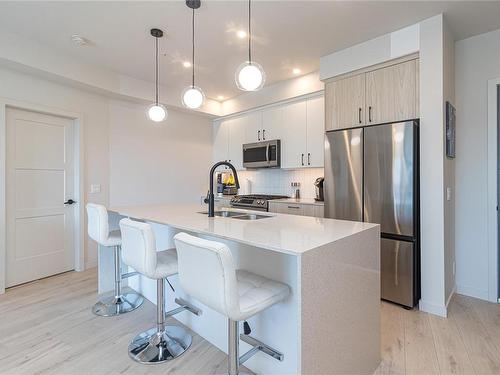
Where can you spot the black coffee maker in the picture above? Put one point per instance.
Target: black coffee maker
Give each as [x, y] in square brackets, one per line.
[319, 189]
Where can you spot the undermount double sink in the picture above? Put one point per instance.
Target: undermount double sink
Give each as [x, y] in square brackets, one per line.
[237, 215]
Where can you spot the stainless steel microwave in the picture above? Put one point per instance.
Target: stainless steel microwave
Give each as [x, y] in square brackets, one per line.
[265, 154]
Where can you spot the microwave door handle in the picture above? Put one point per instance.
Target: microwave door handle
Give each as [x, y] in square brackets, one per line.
[267, 153]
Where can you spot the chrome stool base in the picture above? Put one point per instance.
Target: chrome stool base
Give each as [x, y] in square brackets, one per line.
[113, 306]
[152, 347]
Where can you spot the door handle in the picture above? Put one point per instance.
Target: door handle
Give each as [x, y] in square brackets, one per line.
[264, 134]
[69, 201]
[308, 158]
[370, 114]
[258, 135]
[302, 158]
[359, 116]
[267, 153]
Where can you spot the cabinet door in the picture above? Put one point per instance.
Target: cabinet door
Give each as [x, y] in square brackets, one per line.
[286, 208]
[237, 132]
[313, 210]
[315, 132]
[220, 141]
[345, 103]
[293, 141]
[391, 93]
[272, 123]
[252, 122]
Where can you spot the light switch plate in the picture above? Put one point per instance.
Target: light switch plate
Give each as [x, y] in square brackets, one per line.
[95, 188]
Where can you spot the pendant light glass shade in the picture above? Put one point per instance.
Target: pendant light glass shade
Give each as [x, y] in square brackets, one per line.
[250, 76]
[193, 97]
[157, 112]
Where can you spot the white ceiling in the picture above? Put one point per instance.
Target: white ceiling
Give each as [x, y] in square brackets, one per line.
[287, 34]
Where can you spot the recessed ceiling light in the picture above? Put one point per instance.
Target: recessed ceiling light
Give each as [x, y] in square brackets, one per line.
[241, 34]
[220, 97]
[296, 71]
[186, 64]
[79, 40]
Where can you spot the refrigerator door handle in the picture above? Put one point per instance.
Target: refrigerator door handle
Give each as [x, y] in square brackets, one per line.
[396, 265]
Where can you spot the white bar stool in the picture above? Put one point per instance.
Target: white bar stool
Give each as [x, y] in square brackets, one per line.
[98, 230]
[163, 342]
[207, 273]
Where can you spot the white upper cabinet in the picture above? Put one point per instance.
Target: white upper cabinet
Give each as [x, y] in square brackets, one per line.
[299, 125]
[253, 126]
[236, 139]
[315, 137]
[272, 123]
[220, 141]
[293, 140]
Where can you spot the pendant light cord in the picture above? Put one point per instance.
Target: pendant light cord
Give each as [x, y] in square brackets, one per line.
[156, 68]
[193, 51]
[249, 32]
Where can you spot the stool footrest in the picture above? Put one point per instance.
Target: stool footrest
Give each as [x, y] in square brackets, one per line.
[183, 306]
[258, 346]
[129, 274]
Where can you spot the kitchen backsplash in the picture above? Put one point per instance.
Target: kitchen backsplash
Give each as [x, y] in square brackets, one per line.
[278, 181]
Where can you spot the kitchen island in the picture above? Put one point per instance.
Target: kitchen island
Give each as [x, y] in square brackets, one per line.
[330, 324]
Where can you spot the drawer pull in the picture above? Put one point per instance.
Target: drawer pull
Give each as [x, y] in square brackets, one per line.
[293, 207]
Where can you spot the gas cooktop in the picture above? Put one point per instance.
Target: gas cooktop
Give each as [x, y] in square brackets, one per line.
[254, 201]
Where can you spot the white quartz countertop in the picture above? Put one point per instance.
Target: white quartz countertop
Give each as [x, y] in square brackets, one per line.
[289, 234]
[299, 201]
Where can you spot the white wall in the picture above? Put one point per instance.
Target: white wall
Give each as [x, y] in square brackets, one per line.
[94, 108]
[150, 163]
[477, 61]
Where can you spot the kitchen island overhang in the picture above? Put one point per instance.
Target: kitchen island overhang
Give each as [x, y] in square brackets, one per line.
[330, 323]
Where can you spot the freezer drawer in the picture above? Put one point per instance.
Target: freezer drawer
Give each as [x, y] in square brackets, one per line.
[397, 279]
[343, 189]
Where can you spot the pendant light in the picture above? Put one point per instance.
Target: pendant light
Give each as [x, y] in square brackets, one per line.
[193, 96]
[250, 75]
[156, 111]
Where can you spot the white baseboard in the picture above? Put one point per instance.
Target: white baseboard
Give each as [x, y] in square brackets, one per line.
[473, 292]
[432, 308]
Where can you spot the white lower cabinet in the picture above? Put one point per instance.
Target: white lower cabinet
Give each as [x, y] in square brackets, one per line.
[302, 209]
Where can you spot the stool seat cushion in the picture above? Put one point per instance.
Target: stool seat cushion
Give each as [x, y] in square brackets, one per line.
[166, 264]
[257, 293]
[114, 239]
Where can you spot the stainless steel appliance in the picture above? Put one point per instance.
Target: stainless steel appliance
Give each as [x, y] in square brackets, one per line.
[371, 175]
[258, 202]
[265, 154]
[318, 186]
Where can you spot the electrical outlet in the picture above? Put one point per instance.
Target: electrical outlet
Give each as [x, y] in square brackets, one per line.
[95, 188]
[454, 268]
[448, 194]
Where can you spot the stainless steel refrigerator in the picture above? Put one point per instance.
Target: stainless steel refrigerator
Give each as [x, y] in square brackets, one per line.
[371, 175]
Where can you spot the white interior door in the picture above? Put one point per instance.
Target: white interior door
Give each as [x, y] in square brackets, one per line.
[40, 178]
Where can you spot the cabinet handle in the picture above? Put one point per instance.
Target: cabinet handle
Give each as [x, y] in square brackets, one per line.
[302, 159]
[264, 134]
[308, 158]
[258, 135]
[359, 116]
[297, 207]
[370, 114]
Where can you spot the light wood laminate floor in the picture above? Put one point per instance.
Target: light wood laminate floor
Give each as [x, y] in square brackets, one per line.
[46, 327]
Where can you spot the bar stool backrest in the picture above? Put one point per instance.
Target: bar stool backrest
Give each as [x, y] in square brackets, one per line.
[139, 246]
[207, 273]
[98, 226]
